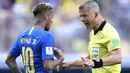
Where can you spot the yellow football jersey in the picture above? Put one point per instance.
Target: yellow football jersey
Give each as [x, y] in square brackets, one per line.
[102, 42]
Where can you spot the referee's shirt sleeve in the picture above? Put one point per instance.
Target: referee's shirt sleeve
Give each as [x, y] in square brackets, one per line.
[47, 47]
[15, 50]
[113, 42]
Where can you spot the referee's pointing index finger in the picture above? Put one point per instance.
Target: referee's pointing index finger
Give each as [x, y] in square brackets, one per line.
[84, 59]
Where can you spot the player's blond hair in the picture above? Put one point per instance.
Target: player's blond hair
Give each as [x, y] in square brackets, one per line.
[41, 7]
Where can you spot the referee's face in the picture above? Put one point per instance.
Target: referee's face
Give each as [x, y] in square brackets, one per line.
[87, 17]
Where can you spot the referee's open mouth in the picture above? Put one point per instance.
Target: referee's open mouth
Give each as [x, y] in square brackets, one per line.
[86, 24]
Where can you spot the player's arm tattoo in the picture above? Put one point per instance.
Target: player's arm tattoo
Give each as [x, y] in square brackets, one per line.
[11, 62]
[51, 64]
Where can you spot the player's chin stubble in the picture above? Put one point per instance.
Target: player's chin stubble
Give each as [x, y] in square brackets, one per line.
[47, 29]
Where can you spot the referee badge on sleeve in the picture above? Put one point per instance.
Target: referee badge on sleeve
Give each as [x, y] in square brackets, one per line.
[95, 51]
[49, 51]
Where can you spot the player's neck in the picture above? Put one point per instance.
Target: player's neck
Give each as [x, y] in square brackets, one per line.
[40, 25]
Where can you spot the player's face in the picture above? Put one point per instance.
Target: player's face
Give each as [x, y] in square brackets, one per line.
[87, 17]
[49, 20]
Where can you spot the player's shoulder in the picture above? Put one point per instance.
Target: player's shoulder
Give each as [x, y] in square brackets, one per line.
[25, 32]
[110, 31]
[47, 37]
[42, 34]
[36, 31]
[48, 34]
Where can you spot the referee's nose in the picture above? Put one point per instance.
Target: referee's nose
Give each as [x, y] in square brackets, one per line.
[82, 19]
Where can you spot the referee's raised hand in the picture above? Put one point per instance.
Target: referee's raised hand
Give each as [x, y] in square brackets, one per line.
[87, 62]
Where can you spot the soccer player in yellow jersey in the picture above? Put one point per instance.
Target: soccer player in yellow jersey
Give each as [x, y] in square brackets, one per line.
[104, 46]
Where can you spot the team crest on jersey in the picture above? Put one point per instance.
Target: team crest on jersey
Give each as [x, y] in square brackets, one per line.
[49, 51]
[95, 51]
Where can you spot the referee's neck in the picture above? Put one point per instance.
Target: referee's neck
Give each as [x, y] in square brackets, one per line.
[98, 23]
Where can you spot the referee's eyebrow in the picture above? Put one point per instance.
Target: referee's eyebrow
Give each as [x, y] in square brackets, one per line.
[82, 15]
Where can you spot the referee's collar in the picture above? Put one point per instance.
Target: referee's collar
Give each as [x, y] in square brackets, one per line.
[100, 27]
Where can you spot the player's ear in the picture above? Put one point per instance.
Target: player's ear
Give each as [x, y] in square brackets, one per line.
[46, 16]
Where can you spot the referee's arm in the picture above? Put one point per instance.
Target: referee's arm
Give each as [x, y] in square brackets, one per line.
[115, 57]
[76, 63]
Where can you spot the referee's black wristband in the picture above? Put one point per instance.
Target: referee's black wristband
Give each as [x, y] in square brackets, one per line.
[98, 64]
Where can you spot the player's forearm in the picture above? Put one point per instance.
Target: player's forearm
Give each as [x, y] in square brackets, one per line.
[51, 64]
[57, 62]
[77, 63]
[112, 60]
[13, 66]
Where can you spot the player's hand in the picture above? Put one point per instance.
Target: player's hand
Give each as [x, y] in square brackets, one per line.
[61, 66]
[58, 53]
[87, 62]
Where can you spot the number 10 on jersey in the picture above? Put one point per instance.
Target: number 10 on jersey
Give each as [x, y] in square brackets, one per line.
[27, 54]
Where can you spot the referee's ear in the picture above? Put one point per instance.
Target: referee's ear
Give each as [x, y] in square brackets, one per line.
[96, 14]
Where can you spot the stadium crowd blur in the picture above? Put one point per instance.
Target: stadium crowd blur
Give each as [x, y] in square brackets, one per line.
[69, 32]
